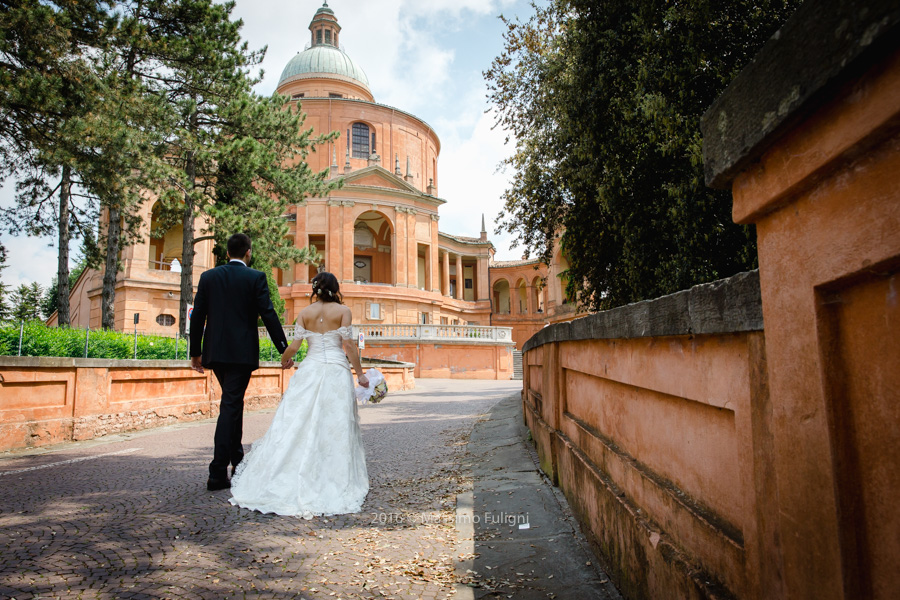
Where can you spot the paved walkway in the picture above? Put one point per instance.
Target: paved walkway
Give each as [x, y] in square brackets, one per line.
[128, 516]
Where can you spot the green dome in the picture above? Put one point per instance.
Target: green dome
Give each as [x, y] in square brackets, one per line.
[324, 59]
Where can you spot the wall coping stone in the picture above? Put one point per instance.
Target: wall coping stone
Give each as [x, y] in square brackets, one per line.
[731, 305]
[821, 47]
[63, 362]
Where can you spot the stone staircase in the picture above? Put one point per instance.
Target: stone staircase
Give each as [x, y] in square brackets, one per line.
[517, 365]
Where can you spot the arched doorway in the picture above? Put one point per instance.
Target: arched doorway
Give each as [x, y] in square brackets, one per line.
[522, 289]
[164, 247]
[501, 297]
[538, 294]
[372, 248]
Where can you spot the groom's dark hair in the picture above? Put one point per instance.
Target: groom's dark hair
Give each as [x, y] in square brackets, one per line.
[238, 244]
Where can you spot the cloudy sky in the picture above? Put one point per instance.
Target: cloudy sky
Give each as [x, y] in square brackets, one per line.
[425, 57]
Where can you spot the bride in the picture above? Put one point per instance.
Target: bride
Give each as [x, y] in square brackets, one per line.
[311, 460]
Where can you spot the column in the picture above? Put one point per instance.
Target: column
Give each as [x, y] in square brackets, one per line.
[529, 298]
[334, 238]
[301, 240]
[445, 283]
[398, 249]
[460, 277]
[412, 250]
[483, 284]
[347, 233]
[434, 284]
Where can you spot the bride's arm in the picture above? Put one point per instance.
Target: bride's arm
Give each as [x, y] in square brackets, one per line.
[291, 350]
[286, 361]
[352, 352]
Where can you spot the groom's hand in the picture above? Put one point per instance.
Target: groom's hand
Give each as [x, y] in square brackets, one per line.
[195, 364]
[286, 361]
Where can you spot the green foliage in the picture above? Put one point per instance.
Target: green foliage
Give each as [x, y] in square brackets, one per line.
[26, 302]
[604, 100]
[40, 340]
[51, 298]
[277, 301]
[5, 308]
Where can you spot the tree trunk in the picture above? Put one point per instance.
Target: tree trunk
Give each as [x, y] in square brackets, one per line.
[111, 270]
[187, 248]
[62, 269]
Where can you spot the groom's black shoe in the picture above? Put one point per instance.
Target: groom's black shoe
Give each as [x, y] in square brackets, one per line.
[217, 484]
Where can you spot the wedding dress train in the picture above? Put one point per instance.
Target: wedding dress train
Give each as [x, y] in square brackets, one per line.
[311, 460]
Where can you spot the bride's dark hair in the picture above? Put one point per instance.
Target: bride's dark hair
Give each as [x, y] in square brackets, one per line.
[325, 288]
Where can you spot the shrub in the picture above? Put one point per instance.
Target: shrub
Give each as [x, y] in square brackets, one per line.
[40, 340]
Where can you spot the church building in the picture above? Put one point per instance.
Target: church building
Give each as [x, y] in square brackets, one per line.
[379, 234]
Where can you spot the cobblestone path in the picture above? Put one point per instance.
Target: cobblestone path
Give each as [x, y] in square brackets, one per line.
[130, 517]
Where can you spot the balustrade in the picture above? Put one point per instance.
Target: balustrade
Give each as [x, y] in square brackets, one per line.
[425, 333]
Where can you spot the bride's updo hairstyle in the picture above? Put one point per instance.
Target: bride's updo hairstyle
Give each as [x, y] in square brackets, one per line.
[326, 289]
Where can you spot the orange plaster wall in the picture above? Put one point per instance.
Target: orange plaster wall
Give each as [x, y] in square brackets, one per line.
[826, 205]
[397, 135]
[666, 419]
[47, 401]
[452, 361]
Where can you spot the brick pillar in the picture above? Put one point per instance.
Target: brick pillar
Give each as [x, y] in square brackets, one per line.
[335, 221]
[434, 282]
[412, 251]
[483, 280]
[398, 249]
[301, 240]
[347, 231]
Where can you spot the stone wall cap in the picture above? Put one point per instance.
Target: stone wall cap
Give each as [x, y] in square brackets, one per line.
[731, 305]
[62, 362]
[101, 363]
[825, 44]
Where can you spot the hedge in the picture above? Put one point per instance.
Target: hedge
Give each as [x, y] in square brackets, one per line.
[40, 340]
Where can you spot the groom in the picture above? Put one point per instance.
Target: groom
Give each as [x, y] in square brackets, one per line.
[228, 300]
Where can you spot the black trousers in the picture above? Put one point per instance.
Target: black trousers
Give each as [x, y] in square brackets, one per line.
[233, 380]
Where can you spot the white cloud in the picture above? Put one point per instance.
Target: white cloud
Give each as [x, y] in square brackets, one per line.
[470, 182]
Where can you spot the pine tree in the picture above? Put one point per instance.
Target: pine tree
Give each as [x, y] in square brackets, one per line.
[5, 308]
[26, 301]
[49, 93]
[234, 155]
[51, 298]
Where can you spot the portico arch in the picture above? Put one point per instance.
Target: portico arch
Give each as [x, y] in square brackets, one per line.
[167, 246]
[562, 279]
[501, 297]
[538, 294]
[372, 248]
[522, 297]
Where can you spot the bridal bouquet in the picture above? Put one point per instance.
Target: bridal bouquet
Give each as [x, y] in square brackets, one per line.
[375, 391]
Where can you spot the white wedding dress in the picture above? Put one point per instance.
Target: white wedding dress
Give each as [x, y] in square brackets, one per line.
[311, 460]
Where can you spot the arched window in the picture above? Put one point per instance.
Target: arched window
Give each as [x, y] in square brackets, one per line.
[360, 140]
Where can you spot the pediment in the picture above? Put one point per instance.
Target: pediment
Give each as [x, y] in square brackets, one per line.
[376, 176]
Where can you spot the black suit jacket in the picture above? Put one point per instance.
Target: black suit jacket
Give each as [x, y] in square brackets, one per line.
[228, 300]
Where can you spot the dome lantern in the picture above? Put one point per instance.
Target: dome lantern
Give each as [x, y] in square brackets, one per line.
[324, 28]
[324, 60]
